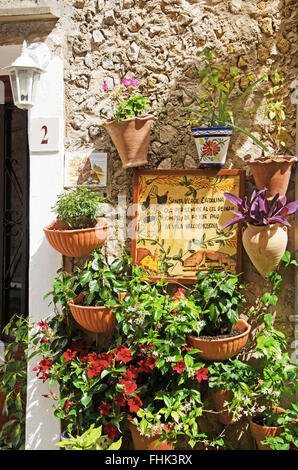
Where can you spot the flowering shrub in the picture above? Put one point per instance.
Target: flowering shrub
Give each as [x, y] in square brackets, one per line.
[128, 104]
[211, 307]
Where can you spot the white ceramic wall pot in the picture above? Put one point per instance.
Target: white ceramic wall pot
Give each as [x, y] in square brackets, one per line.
[212, 145]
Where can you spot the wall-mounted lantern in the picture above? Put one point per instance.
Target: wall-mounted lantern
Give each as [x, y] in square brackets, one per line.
[25, 73]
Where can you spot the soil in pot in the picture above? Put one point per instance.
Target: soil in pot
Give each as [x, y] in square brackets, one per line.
[220, 348]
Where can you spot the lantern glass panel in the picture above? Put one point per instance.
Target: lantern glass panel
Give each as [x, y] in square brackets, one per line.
[25, 82]
[14, 86]
[35, 80]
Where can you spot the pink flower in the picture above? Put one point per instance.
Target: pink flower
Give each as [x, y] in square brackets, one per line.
[129, 82]
[105, 87]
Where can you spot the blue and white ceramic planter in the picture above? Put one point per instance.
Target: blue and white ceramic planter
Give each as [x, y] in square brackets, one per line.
[212, 144]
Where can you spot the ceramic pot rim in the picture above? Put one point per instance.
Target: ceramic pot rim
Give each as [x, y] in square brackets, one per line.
[257, 415]
[283, 159]
[264, 228]
[143, 117]
[217, 339]
[50, 228]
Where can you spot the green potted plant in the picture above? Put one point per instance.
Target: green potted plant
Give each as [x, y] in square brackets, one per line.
[265, 236]
[278, 381]
[231, 386]
[93, 291]
[210, 313]
[79, 227]
[216, 113]
[288, 437]
[273, 170]
[130, 130]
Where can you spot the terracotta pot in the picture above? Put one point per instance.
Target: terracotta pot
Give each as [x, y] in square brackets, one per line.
[220, 349]
[261, 432]
[76, 243]
[131, 138]
[219, 398]
[96, 319]
[141, 442]
[122, 295]
[265, 246]
[273, 174]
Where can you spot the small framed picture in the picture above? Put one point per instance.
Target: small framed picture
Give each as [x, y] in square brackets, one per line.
[85, 169]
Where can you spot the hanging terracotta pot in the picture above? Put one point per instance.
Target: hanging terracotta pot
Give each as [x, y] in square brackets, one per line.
[260, 432]
[219, 398]
[265, 246]
[212, 144]
[273, 174]
[76, 243]
[131, 138]
[96, 319]
[141, 442]
[220, 349]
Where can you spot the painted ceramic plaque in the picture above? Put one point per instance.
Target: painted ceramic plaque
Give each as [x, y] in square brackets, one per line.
[87, 169]
[178, 219]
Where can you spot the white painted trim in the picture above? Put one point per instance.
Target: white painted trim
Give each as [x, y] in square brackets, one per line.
[46, 181]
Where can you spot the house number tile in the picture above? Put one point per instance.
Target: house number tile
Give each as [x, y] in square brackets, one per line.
[45, 134]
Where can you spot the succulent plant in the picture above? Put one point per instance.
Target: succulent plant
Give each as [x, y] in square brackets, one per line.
[260, 210]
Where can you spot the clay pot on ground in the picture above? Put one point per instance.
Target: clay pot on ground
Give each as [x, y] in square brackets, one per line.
[131, 138]
[260, 432]
[219, 397]
[141, 442]
[220, 349]
[76, 243]
[96, 319]
[265, 246]
[273, 174]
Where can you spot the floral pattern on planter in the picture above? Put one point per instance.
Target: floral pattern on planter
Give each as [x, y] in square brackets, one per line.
[212, 144]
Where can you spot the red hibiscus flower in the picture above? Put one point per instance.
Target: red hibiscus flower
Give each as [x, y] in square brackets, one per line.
[67, 404]
[69, 355]
[179, 366]
[99, 362]
[42, 368]
[131, 373]
[147, 364]
[202, 374]
[130, 387]
[44, 340]
[111, 430]
[120, 400]
[180, 295]
[123, 354]
[134, 404]
[43, 325]
[105, 408]
[211, 148]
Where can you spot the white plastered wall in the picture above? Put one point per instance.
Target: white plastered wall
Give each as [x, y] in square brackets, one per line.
[46, 181]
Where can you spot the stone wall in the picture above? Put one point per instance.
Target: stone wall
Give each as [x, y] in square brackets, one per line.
[158, 43]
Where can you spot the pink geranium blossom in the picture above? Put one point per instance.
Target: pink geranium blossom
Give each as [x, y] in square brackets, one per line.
[129, 82]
